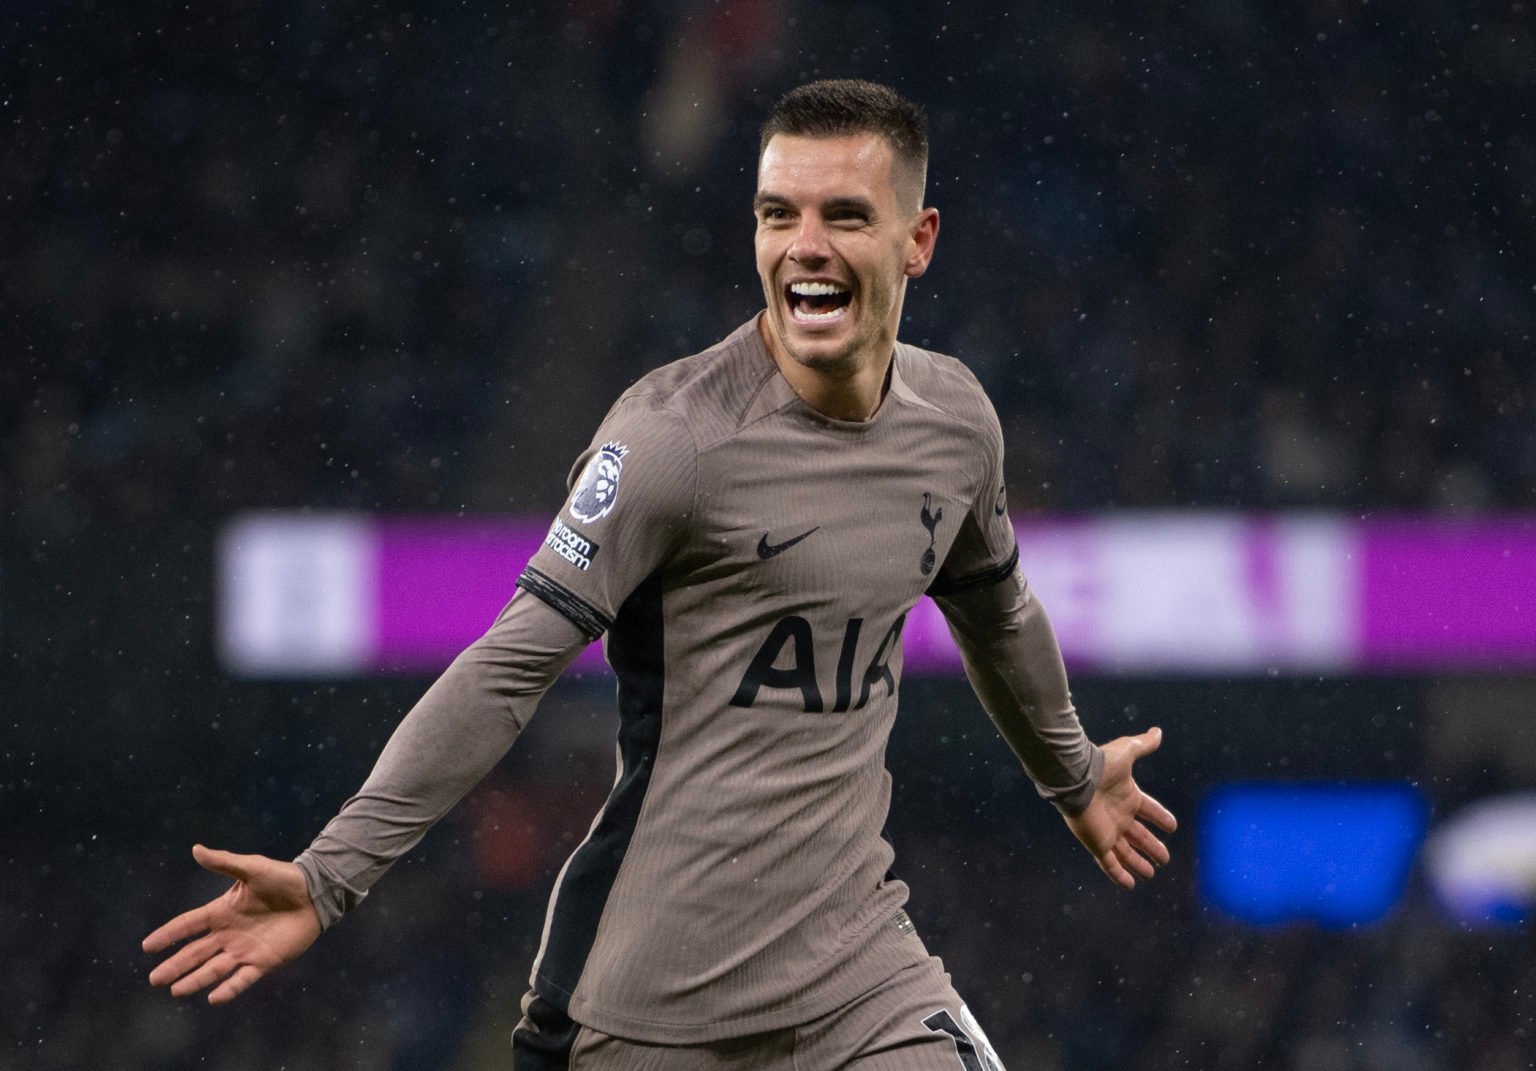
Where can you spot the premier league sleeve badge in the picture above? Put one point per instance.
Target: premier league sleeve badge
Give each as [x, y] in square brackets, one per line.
[599, 486]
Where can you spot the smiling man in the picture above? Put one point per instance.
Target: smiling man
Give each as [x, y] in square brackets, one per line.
[840, 230]
[748, 531]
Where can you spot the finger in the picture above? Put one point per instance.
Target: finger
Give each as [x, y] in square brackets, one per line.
[189, 958]
[1154, 812]
[1134, 861]
[213, 971]
[236, 984]
[1145, 842]
[1149, 741]
[1115, 871]
[179, 928]
[221, 862]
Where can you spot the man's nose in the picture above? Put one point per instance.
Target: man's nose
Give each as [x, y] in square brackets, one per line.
[810, 246]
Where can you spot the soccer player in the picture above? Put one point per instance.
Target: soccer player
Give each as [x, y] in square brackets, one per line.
[748, 529]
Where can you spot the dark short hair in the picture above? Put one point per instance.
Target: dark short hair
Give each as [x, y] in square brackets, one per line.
[838, 107]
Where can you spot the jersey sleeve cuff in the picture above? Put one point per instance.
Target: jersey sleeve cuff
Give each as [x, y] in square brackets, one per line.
[1074, 799]
[331, 899]
[588, 618]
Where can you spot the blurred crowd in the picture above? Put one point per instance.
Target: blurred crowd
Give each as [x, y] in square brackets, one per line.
[1065, 972]
[1211, 253]
[1201, 253]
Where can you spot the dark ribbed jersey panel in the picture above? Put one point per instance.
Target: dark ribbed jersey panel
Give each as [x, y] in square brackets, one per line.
[635, 650]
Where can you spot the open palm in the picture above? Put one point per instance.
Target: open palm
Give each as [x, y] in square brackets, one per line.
[261, 922]
[1113, 827]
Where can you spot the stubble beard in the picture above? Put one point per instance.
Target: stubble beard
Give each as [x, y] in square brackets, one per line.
[841, 363]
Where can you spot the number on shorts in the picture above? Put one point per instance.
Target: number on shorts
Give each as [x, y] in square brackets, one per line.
[972, 1056]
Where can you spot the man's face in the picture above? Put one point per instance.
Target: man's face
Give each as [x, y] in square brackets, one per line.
[836, 243]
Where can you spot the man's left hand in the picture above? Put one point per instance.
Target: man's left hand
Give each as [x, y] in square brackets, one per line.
[1114, 824]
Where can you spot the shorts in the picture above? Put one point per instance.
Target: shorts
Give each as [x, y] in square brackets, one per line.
[914, 1021]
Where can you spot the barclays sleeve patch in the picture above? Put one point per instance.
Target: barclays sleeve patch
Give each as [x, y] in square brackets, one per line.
[598, 488]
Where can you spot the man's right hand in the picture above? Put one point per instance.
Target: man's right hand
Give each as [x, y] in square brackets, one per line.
[264, 920]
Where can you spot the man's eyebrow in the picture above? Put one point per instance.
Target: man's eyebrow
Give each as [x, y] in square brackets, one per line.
[858, 204]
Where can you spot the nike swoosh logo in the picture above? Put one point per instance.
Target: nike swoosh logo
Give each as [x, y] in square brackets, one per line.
[766, 550]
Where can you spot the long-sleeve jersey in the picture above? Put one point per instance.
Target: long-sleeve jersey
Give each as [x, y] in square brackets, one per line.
[749, 563]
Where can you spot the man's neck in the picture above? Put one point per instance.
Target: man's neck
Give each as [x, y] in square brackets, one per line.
[855, 397]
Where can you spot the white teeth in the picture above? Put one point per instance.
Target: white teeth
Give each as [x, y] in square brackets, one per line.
[816, 289]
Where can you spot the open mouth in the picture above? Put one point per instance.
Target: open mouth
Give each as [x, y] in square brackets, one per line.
[817, 302]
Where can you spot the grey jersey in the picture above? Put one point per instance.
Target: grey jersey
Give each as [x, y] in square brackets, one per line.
[750, 563]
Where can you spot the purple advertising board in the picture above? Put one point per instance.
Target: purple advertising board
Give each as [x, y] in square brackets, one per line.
[1128, 593]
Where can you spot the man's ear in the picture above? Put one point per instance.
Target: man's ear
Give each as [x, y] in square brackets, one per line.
[925, 234]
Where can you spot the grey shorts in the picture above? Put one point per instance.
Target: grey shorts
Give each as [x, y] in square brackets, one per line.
[915, 1021]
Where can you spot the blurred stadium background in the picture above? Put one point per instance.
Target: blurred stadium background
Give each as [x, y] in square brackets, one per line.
[1227, 268]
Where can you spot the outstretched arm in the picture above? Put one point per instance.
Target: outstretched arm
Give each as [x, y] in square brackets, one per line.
[1014, 664]
[450, 739]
